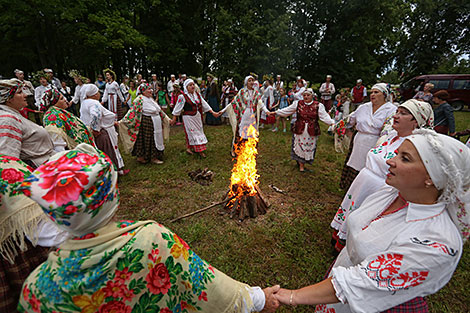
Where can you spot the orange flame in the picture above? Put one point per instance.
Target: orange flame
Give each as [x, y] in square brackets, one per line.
[244, 172]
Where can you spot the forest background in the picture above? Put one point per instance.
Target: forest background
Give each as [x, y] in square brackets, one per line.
[348, 39]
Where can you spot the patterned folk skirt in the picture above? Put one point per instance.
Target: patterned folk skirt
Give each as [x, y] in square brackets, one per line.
[12, 276]
[144, 146]
[296, 157]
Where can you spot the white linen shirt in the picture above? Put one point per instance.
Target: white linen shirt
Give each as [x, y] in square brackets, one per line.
[38, 93]
[93, 114]
[181, 101]
[368, 125]
[392, 259]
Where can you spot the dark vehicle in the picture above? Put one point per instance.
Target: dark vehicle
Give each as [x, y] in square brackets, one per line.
[457, 85]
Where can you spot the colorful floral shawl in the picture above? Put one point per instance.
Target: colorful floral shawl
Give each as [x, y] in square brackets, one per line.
[130, 267]
[129, 125]
[77, 189]
[238, 106]
[109, 267]
[19, 215]
[67, 126]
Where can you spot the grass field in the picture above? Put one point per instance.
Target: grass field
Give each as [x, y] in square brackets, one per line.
[290, 245]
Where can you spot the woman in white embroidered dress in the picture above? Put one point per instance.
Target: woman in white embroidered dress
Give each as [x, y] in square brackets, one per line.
[112, 93]
[192, 105]
[306, 129]
[102, 123]
[268, 100]
[368, 120]
[244, 111]
[405, 241]
[410, 115]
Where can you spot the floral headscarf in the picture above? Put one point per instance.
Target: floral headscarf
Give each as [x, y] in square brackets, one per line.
[68, 126]
[19, 215]
[8, 88]
[77, 189]
[142, 88]
[421, 111]
[50, 98]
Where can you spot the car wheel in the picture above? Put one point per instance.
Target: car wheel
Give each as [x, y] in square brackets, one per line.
[457, 105]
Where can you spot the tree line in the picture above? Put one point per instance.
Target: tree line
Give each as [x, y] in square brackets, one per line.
[348, 39]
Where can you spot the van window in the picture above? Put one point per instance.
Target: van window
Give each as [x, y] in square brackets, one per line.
[440, 83]
[461, 84]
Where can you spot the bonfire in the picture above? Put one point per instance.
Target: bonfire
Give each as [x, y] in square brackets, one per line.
[245, 196]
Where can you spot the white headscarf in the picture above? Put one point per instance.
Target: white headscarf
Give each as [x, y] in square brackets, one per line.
[90, 90]
[246, 80]
[309, 90]
[185, 85]
[421, 111]
[447, 163]
[383, 88]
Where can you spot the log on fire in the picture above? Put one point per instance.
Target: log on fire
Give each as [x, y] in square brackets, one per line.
[245, 204]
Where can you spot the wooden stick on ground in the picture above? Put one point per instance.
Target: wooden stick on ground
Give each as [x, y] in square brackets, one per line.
[201, 210]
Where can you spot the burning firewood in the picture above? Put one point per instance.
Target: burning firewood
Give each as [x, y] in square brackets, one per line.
[203, 177]
[247, 198]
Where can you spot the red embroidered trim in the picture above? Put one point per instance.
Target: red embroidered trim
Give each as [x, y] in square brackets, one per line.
[11, 116]
[323, 308]
[437, 245]
[11, 128]
[11, 136]
[385, 271]
[381, 215]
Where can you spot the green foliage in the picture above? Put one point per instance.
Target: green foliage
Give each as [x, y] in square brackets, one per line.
[347, 39]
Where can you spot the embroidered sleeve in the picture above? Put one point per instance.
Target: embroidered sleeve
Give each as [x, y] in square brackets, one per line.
[391, 278]
[179, 106]
[96, 114]
[288, 111]
[11, 134]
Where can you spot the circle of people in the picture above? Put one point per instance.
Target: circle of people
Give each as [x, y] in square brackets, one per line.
[398, 233]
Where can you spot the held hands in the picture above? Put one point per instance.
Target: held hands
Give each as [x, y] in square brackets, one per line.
[271, 302]
[285, 296]
[216, 114]
[173, 121]
[271, 113]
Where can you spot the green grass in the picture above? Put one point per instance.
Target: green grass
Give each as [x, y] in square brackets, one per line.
[287, 246]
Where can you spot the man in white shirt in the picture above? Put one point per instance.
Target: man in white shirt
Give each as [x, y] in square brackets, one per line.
[327, 90]
[171, 83]
[278, 84]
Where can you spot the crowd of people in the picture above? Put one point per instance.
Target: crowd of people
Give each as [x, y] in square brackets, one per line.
[398, 232]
